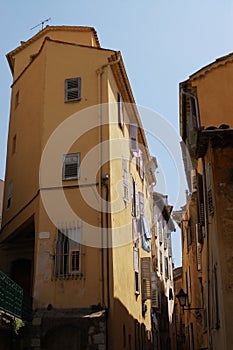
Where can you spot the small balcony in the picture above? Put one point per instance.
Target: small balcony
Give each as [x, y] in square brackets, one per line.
[14, 300]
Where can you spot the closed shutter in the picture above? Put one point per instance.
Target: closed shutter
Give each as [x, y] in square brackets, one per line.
[166, 267]
[198, 248]
[169, 244]
[72, 89]
[160, 229]
[133, 133]
[210, 202]
[137, 201]
[189, 285]
[165, 235]
[136, 270]
[135, 231]
[200, 196]
[125, 179]
[154, 290]
[141, 203]
[146, 277]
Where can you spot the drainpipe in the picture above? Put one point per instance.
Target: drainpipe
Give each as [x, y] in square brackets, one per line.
[103, 184]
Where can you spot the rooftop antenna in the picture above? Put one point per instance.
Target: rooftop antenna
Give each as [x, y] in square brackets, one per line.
[41, 23]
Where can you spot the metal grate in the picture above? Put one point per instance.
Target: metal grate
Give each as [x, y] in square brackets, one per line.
[14, 299]
[72, 89]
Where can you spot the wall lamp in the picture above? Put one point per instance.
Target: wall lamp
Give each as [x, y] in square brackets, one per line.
[182, 298]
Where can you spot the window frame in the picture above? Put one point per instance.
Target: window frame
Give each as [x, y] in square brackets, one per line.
[133, 134]
[71, 90]
[65, 162]
[64, 247]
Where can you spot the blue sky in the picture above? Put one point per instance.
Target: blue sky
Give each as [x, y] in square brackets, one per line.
[162, 43]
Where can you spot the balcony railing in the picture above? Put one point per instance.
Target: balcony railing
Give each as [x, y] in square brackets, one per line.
[14, 299]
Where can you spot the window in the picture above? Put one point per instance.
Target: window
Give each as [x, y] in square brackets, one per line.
[133, 133]
[139, 164]
[120, 110]
[166, 267]
[188, 285]
[125, 179]
[161, 261]
[169, 244]
[72, 89]
[141, 203]
[9, 195]
[67, 255]
[146, 278]
[135, 199]
[210, 202]
[154, 290]
[198, 247]
[71, 167]
[146, 235]
[136, 270]
[17, 99]
[14, 145]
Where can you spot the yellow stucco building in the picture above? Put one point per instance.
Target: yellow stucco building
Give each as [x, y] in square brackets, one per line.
[206, 121]
[77, 214]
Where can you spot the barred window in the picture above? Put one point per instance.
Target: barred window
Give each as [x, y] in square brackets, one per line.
[67, 255]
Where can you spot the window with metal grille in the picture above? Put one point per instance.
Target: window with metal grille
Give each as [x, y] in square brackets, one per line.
[71, 166]
[67, 255]
[72, 89]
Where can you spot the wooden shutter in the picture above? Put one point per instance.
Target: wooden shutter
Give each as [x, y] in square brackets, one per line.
[125, 179]
[137, 201]
[169, 244]
[166, 267]
[189, 290]
[200, 197]
[160, 229]
[141, 203]
[133, 133]
[210, 202]
[146, 277]
[72, 89]
[198, 247]
[135, 230]
[154, 290]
